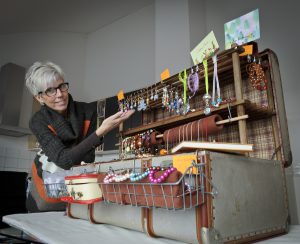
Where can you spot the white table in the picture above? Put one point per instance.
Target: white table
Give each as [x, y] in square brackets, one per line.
[55, 227]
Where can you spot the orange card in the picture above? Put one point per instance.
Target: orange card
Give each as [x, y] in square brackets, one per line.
[248, 50]
[182, 162]
[120, 95]
[165, 74]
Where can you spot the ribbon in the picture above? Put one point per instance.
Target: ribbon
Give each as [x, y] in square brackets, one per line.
[183, 80]
[206, 75]
[216, 84]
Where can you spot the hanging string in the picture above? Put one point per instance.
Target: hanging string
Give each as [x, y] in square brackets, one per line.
[216, 85]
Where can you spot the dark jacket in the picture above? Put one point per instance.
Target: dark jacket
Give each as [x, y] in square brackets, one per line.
[66, 141]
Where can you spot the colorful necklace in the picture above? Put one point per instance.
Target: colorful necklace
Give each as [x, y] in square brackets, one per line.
[138, 176]
[163, 177]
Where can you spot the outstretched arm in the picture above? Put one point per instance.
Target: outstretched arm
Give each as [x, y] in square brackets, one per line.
[113, 121]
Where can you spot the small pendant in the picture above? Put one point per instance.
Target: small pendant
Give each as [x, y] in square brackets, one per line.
[206, 99]
[207, 110]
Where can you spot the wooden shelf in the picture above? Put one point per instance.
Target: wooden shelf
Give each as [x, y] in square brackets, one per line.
[251, 109]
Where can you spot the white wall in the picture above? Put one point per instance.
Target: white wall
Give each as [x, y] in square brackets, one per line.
[65, 49]
[172, 40]
[120, 56]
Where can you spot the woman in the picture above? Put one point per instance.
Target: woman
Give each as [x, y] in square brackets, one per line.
[65, 129]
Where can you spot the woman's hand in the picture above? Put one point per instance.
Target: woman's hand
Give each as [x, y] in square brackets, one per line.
[113, 121]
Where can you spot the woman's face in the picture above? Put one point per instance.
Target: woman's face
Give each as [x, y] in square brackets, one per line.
[58, 101]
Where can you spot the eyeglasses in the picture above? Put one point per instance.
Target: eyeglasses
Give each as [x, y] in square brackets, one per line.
[51, 91]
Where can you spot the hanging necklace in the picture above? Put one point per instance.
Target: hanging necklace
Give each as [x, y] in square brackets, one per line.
[206, 96]
[216, 84]
[193, 81]
[162, 178]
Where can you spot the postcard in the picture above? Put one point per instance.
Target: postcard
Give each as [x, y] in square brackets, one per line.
[205, 49]
[242, 30]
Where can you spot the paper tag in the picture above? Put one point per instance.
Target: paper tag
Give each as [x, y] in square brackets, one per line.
[165, 74]
[120, 95]
[182, 162]
[248, 50]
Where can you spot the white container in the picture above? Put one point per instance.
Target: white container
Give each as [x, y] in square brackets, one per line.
[83, 189]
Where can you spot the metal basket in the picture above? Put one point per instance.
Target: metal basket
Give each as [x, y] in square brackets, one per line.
[56, 190]
[183, 194]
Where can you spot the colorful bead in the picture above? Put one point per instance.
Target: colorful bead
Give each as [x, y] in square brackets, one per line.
[109, 178]
[161, 178]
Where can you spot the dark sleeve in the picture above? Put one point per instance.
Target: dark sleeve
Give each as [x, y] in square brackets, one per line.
[56, 151]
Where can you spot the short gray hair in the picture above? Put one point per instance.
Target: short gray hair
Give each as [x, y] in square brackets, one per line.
[41, 75]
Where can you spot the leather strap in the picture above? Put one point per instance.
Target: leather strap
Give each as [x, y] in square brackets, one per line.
[91, 210]
[69, 211]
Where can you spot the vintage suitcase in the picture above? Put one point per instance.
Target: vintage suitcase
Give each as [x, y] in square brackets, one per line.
[240, 203]
[221, 197]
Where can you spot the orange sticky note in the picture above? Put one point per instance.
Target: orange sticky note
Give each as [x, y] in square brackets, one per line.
[165, 74]
[120, 95]
[182, 162]
[248, 50]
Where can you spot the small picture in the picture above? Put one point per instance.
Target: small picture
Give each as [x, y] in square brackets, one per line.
[242, 30]
[205, 49]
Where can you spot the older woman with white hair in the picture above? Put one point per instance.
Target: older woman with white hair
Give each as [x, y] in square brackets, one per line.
[65, 129]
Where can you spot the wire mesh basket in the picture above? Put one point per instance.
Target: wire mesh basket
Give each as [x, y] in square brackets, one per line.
[179, 192]
[56, 190]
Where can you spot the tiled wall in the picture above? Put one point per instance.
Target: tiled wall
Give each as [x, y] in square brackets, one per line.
[14, 155]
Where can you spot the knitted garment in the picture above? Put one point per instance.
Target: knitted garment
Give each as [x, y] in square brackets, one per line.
[65, 142]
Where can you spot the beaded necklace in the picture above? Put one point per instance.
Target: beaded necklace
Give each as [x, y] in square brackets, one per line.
[161, 178]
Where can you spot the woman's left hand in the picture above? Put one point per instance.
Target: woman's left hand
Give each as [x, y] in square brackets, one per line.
[113, 121]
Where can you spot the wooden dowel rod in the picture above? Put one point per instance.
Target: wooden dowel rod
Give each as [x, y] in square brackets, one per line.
[225, 121]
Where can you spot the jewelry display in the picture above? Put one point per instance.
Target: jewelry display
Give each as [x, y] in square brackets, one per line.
[171, 101]
[131, 102]
[110, 177]
[206, 97]
[141, 145]
[216, 85]
[121, 177]
[155, 97]
[151, 95]
[257, 75]
[138, 176]
[165, 97]
[193, 81]
[141, 103]
[161, 178]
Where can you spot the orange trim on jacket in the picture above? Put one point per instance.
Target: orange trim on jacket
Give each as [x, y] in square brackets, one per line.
[86, 126]
[40, 186]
